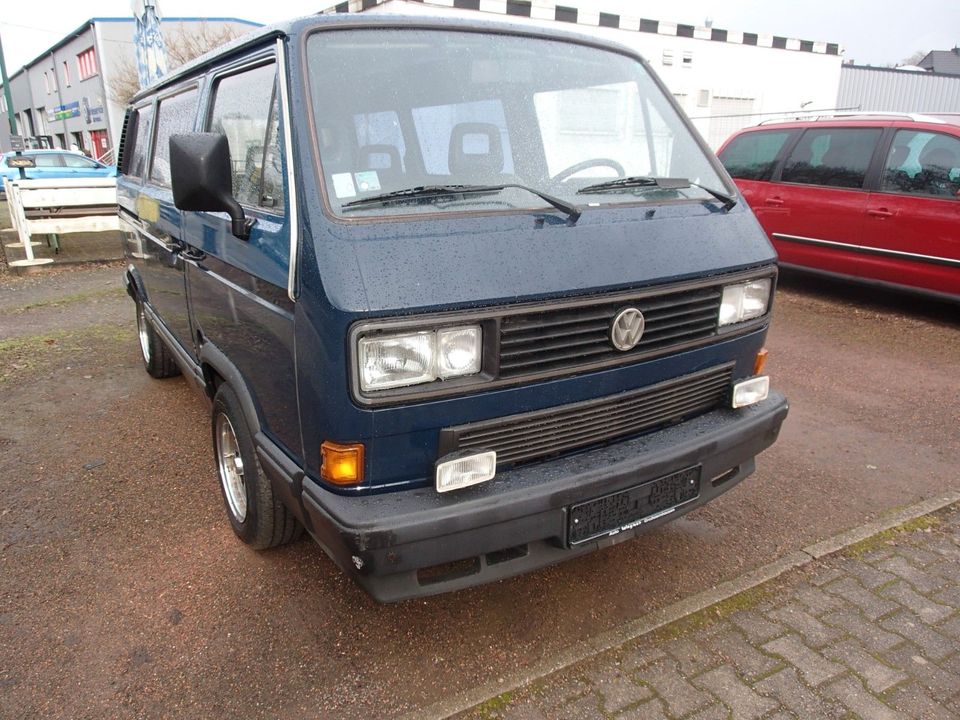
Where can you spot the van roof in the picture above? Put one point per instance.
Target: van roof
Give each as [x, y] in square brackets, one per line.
[296, 26]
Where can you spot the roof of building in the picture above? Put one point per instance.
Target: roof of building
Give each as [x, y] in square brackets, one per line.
[901, 70]
[942, 61]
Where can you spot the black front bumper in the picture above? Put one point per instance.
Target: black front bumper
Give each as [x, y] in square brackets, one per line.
[518, 521]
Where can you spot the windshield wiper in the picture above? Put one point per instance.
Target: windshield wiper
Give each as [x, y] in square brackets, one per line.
[428, 191]
[643, 181]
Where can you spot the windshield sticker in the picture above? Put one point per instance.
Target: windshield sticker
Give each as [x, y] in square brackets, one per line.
[343, 185]
[367, 180]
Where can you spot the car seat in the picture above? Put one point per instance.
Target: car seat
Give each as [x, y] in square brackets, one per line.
[476, 153]
[936, 166]
[385, 160]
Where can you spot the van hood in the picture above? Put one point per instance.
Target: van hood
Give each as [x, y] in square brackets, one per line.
[376, 267]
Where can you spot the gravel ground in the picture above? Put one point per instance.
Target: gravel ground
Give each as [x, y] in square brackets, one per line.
[123, 592]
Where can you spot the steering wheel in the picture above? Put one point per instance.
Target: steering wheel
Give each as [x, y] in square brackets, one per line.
[589, 163]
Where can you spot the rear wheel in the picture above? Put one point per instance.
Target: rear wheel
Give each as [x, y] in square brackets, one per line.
[257, 516]
[157, 358]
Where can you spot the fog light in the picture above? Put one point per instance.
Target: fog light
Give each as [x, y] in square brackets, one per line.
[465, 471]
[750, 392]
[341, 464]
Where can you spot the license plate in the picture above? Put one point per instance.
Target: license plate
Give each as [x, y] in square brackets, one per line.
[624, 510]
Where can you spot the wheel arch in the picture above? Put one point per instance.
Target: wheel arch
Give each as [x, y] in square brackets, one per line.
[217, 368]
[284, 473]
[134, 285]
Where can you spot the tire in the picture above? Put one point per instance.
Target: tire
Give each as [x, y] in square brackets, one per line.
[257, 516]
[157, 358]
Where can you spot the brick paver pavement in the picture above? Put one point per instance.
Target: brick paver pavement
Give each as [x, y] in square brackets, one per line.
[873, 632]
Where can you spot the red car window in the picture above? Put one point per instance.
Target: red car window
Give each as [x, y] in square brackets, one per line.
[836, 157]
[752, 156]
[922, 163]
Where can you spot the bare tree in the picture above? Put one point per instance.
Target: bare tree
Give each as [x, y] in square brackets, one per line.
[183, 45]
[186, 45]
[914, 58]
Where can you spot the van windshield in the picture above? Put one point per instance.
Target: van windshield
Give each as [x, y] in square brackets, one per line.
[420, 111]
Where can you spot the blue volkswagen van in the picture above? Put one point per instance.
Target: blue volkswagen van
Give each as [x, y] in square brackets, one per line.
[466, 299]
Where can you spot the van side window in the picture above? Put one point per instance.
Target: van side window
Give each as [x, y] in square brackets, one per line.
[753, 155]
[271, 190]
[922, 163]
[836, 157]
[141, 141]
[175, 115]
[244, 109]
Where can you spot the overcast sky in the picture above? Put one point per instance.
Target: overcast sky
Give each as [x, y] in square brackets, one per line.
[876, 32]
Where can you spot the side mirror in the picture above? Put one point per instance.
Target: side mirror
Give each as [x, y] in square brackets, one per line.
[202, 179]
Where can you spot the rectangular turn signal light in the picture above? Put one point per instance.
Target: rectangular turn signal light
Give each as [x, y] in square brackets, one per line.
[341, 464]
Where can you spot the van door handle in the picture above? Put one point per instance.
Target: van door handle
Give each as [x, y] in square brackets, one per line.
[189, 252]
[879, 213]
[774, 201]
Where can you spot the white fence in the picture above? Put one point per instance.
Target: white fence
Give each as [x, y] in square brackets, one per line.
[58, 207]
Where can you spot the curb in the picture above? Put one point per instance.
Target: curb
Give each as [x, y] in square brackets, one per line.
[676, 611]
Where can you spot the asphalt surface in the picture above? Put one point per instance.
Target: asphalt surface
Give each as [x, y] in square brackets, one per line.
[123, 592]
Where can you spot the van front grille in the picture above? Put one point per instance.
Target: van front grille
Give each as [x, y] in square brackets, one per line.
[550, 340]
[555, 431]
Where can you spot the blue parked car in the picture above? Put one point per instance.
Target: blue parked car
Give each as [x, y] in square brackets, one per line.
[465, 298]
[57, 164]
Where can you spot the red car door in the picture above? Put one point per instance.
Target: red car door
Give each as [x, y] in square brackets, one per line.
[912, 224]
[815, 213]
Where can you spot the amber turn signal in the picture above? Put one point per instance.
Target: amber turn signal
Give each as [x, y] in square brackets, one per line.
[760, 362]
[341, 464]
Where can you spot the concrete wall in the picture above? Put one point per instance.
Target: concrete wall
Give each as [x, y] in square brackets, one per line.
[722, 84]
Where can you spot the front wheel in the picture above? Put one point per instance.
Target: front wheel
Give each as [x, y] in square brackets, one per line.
[257, 516]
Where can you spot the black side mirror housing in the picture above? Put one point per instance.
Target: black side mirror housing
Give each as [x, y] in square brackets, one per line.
[201, 178]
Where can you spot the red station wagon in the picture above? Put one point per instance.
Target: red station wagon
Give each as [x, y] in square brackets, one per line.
[873, 197]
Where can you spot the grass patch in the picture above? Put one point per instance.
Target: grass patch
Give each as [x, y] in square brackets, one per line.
[67, 300]
[22, 357]
[491, 708]
[709, 615]
[924, 522]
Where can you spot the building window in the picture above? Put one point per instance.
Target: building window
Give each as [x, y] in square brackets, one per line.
[46, 83]
[87, 64]
[66, 74]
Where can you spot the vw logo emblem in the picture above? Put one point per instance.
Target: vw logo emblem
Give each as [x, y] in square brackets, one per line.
[627, 329]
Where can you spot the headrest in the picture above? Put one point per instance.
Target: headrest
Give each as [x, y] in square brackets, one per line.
[476, 149]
